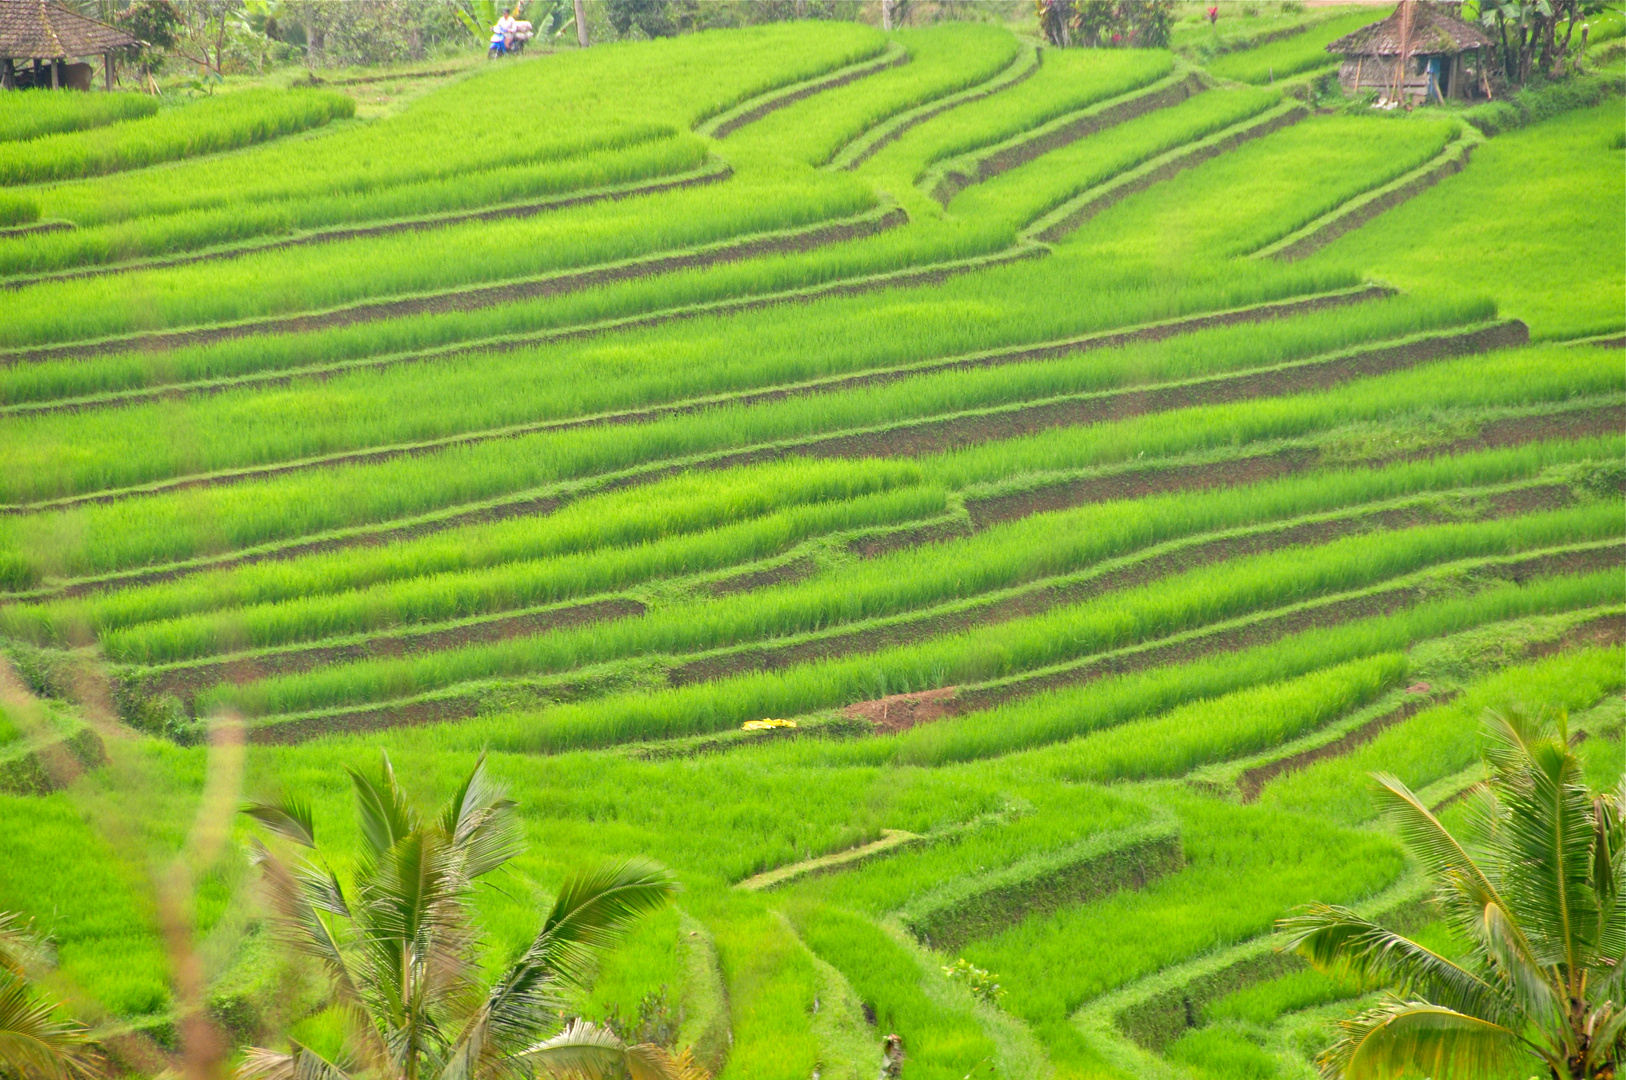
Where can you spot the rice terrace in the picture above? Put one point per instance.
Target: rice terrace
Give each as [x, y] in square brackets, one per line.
[934, 540]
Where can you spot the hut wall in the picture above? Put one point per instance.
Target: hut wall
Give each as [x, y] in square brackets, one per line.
[1374, 73]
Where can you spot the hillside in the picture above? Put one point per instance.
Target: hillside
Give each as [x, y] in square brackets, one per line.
[1106, 458]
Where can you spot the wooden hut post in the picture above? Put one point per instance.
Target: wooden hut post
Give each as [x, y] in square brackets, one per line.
[56, 74]
[8, 75]
[107, 70]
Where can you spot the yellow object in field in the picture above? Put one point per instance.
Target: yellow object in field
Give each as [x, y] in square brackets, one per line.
[765, 725]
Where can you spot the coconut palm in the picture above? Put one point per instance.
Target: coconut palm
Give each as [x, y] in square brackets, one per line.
[34, 1043]
[1536, 902]
[400, 949]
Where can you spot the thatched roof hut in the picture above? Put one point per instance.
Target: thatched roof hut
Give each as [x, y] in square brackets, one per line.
[1435, 58]
[45, 33]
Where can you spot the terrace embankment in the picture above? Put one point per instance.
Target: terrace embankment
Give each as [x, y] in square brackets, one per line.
[711, 174]
[1093, 202]
[1271, 628]
[1059, 133]
[1044, 597]
[1136, 483]
[184, 681]
[484, 296]
[1252, 781]
[751, 111]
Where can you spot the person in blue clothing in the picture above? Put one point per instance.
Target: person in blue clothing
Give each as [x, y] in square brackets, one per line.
[502, 35]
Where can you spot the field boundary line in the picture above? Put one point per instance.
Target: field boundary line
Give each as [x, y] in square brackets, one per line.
[1387, 514]
[713, 171]
[1293, 304]
[1018, 354]
[725, 123]
[1364, 207]
[1131, 1024]
[875, 220]
[948, 178]
[1300, 455]
[891, 840]
[454, 702]
[1134, 568]
[978, 905]
[866, 144]
[1057, 223]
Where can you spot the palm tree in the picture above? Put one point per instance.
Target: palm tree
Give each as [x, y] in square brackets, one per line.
[34, 1044]
[400, 950]
[1536, 902]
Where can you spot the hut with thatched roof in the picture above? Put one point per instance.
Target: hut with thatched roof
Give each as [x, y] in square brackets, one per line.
[53, 38]
[1444, 56]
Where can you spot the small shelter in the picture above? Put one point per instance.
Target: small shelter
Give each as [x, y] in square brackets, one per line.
[52, 37]
[1437, 52]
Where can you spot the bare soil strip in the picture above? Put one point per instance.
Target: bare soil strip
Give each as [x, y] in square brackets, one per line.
[483, 296]
[185, 681]
[1001, 80]
[710, 174]
[1230, 639]
[1253, 780]
[1097, 200]
[783, 574]
[35, 230]
[1157, 480]
[774, 100]
[1603, 631]
[1274, 628]
[1056, 134]
[932, 532]
[1045, 597]
[900, 712]
[1355, 213]
[834, 384]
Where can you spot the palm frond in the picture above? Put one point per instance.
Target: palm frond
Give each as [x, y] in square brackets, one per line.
[385, 816]
[584, 1051]
[480, 821]
[1547, 832]
[302, 1063]
[289, 816]
[1468, 889]
[592, 911]
[1417, 1037]
[21, 949]
[1336, 939]
[1519, 973]
[34, 1043]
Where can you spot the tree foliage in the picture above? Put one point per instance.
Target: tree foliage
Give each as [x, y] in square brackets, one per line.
[1534, 895]
[1094, 24]
[396, 940]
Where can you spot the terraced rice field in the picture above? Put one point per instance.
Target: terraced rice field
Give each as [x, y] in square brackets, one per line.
[1104, 459]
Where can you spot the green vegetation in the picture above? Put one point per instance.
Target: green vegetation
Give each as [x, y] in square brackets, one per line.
[952, 543]
[206, 126]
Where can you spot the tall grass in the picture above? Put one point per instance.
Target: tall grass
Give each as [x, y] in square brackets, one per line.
[1067, 80]
[942, 59]
[1560, 278]
[201, 127]
[808, 687]
[679, 506]
[344, 271]
[609, 98]
[1023, 194]
[129, 239]
[1444, 740]
[1262, 191]
[197, 521]
[28, 116]
[1306, 51]
[1245, 866]
[1169, 606]
[421, 401]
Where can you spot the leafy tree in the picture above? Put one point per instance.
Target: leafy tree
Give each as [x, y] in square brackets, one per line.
[34, 1044]
[1140, 24]
[1536, 898]
[400, 949]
